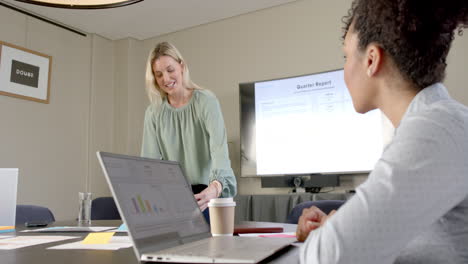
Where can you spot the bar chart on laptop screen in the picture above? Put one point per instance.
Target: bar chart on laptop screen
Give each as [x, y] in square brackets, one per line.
[141, 205]
[147, 201]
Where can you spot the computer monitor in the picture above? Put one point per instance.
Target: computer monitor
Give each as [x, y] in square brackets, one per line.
[306, 125]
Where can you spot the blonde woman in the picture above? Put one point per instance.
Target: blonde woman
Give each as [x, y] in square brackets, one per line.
[184, 123]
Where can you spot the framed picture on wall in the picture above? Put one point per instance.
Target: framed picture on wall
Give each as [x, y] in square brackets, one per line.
[24, 73]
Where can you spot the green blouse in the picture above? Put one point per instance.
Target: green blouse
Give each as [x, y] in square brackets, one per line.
[195, 136]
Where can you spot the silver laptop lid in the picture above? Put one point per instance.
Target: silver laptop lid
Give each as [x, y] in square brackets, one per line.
[155, 201]
[8, 190]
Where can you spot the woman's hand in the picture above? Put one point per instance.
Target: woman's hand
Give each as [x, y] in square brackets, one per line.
[311, 219]
[212, 191]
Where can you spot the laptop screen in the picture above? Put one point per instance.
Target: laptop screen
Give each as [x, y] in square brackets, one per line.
[8, 189]
[155, 200]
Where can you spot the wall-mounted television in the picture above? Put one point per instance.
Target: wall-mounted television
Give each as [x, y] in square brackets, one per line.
[306, 125]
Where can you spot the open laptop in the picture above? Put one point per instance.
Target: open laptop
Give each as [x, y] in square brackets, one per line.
[8, 189]
[164, 222]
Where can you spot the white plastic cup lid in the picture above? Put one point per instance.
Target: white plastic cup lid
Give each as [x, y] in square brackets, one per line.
[221, 202]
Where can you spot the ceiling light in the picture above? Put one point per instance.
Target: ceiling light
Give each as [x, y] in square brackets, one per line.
[81, 4]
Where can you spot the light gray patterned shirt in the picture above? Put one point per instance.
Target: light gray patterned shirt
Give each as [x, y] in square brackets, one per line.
[413, 208]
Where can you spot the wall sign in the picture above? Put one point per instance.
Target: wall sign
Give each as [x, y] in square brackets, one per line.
[24, 73]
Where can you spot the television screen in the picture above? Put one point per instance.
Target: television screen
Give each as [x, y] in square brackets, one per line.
[306, 125]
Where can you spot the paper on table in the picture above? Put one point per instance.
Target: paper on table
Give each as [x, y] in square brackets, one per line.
[72, 229]
[26, 241]
[2, 237]
[122, 228]
[285, 234]
[98, 238]
[116, 242]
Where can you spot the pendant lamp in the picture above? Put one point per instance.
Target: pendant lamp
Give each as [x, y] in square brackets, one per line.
[81, 4]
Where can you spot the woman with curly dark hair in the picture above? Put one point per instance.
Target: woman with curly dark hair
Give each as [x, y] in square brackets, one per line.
[413, 208]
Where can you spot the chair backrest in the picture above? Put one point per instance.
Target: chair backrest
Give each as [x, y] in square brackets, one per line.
[104, 208]
[325, 205]
[33, 213]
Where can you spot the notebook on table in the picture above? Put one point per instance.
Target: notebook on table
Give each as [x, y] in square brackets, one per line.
[8, 189]
[164, 222]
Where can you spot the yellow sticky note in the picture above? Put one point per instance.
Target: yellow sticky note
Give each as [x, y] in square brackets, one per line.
[98, 238]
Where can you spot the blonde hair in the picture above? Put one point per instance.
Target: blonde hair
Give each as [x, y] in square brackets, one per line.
[155, 94]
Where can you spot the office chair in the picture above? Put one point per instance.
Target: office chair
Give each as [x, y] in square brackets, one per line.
[104, 208]
[33, 213]
[325, 205]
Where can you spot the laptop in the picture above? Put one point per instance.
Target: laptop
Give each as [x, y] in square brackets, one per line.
[164, 222]
[8, 189]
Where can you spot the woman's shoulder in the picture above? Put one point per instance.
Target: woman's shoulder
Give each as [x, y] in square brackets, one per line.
[444, 121]
[152, 110]
[205, 95]
[206, 98]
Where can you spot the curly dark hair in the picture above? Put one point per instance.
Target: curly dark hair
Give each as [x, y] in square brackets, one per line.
[416, 34]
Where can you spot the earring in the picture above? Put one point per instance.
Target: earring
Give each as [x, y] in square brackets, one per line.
[369, 72]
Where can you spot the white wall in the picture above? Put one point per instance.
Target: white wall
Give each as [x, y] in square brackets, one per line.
[101, 118]
[130, 95]
[457, 69]
[97, 98]
[54, 144]
[48, 142]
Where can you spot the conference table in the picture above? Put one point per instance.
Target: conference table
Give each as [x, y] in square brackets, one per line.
[40, 253]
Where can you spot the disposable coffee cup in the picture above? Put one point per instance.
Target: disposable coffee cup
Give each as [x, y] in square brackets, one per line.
[222, 216]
